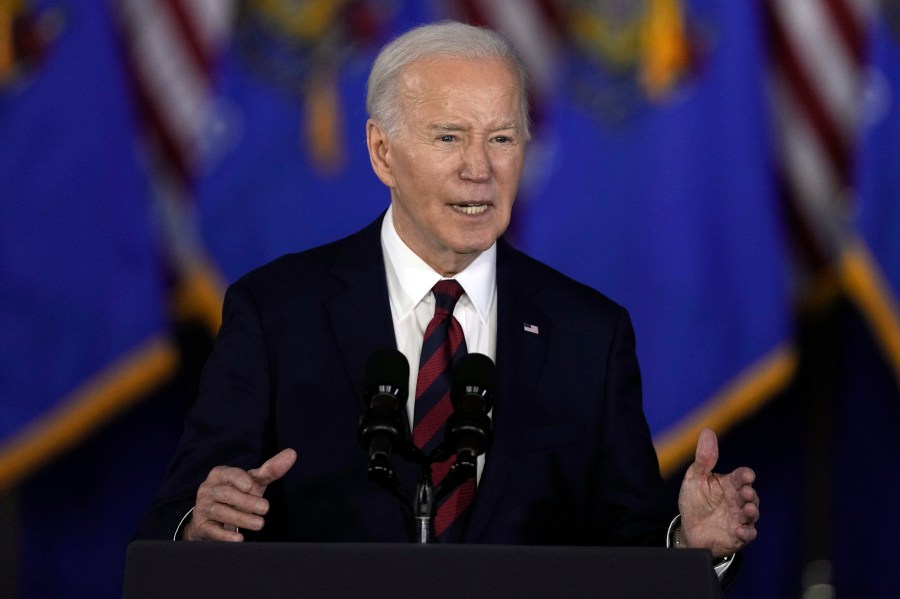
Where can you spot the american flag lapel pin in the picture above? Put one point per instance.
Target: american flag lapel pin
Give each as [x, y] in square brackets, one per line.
[530, 328]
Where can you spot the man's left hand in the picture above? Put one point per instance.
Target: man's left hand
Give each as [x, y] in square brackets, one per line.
[718, 511]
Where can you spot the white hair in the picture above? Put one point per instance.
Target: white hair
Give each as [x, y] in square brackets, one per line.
[446, 39]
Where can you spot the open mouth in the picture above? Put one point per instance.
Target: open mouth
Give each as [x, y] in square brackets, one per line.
[471, 209]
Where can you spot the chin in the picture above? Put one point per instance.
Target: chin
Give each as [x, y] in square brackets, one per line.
[474, 244]
[480, 239]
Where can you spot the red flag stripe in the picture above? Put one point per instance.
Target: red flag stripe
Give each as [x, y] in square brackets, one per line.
[533, 26]
[831, 69]
[171, 46]
[815, 75]
[171, 43]
[808, 170]
[799, 85]
[188, 28]
[851, 26]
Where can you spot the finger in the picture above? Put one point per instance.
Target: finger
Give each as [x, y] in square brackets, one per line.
[231, 497]
[225, 506]
[213, 531]
[230, 518]
[707, 453]
[746, 534]
[222, 490]
[743, 476]
[231, 476]
[749, 514]
[206, 530]
[274, 468]
[748, 495]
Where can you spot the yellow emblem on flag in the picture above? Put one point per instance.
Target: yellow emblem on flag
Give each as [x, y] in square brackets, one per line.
[309, 27]
[644, 37]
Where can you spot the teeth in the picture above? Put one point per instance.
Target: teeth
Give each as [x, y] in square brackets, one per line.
[471, 210]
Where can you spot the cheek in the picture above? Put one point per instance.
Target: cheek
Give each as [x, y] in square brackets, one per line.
[424, 170]
[509, 167]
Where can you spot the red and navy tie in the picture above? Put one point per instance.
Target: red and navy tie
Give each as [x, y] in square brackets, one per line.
[442, 346]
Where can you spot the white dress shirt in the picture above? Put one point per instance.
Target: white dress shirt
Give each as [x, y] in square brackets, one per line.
[410, 280]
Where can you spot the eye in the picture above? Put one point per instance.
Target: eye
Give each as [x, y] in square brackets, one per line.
[503, 139]
[447, 138]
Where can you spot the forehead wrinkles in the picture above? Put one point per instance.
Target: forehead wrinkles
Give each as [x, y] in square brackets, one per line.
[413, 90]
[450, 94]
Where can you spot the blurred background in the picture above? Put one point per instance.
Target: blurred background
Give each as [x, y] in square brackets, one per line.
[728, 171]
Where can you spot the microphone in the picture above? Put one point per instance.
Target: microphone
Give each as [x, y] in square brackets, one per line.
[472, 395]
[386, 386]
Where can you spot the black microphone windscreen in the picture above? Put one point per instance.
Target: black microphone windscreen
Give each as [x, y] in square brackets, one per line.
[473, 370]
[387, 367]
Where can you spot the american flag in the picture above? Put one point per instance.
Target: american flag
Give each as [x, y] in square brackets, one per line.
[533, 26]
[818, 79]
[171, 50]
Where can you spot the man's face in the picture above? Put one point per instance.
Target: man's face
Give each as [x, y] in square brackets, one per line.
[454, 167]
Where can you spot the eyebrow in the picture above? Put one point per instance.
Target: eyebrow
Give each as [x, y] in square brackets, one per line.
[451, 127]
[505, 126]
[443, 127]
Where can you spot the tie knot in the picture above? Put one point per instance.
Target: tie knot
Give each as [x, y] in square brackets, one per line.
[446, 293]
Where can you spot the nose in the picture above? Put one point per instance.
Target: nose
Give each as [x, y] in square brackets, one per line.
[476, 162]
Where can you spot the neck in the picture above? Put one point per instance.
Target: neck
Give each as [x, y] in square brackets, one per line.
[451, 267]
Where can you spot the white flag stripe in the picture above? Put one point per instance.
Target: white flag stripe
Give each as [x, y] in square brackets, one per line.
[814, 168]
[172, 44]
[171, 77]
[529, 32]
[177, 216]
[809, 171]
[211, 19]
[824, 59]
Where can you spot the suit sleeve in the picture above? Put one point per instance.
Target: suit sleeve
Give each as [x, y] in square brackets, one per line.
[230, 422]
[631, 508]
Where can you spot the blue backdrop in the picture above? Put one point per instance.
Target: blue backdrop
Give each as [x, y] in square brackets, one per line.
[662, 196]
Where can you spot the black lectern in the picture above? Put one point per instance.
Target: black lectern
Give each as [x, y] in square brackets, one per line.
[343, 570]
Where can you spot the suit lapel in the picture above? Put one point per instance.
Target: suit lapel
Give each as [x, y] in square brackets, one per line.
[523, 332]
[361, 319]
[361, 313]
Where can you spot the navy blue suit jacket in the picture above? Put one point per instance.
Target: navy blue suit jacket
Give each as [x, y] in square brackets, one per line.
[572, 460]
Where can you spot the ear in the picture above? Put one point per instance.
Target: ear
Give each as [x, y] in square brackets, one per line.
[379, 152]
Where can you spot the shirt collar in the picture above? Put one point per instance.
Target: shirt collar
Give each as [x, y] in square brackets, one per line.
[410, 279]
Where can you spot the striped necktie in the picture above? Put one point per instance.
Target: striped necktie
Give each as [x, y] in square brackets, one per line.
[442, 346]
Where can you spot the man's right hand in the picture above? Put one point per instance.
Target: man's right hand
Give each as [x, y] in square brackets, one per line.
[231, 498]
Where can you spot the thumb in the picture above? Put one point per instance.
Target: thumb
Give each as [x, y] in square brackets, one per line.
[707, 453]
[274, 468]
